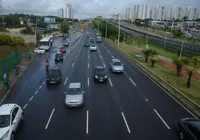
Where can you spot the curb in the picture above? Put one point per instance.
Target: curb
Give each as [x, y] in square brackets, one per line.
[14, 83]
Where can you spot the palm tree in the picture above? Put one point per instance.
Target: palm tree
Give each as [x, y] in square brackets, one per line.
[195, 59]
[154, 57]
[190, 72]
[179, 65]
[147, 53]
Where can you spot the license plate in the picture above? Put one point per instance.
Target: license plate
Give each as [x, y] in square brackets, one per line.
[52, 82]
[101, 80]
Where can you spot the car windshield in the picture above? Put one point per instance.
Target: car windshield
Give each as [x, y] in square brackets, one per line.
[53, 72]
[100, 71]
[40, 49]
[43, 43]
[58, 55]
[92, 45]
[66, 41]
[4, 121]
[117, 64]
[74, 91]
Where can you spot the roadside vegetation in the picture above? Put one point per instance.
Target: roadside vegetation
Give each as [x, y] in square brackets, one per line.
[180, 72]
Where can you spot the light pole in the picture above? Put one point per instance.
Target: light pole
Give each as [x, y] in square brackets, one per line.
[2, 13]
[118, 29]
[106, 29]
[165, 37]
[181, 50]
[36, 30]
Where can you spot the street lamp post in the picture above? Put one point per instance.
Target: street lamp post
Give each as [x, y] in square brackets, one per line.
[165, 37]
[181, 50]
[36, 29]
[118, 29]
[106, 29]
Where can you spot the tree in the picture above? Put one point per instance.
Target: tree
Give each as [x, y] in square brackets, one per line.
[179, 65]
[177, 33]
[76, 20]
[147, 53]
[185, 18]
[190, 72]
[154, 57]
[195, 59]
[64, 27]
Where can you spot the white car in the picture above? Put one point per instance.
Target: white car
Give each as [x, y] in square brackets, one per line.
[93, 47]
[39, 50]
[10, 117]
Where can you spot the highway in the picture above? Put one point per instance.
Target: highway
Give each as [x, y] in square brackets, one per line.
[129, 106]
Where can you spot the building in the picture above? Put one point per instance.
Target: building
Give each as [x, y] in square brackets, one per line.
[68, 11]
[60, 13]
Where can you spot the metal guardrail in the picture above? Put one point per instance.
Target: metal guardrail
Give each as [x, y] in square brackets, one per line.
[188, 49]
[187, 102]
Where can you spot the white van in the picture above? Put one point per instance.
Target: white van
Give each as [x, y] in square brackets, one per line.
[46, 43]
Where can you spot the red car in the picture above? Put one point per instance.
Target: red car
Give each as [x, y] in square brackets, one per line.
[63, 49]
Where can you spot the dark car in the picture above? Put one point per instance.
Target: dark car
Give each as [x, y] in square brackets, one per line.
[54, 76]
[100, 74]
[87, 44]
[59, 57]
[92, 40]
[87, 36]
[189, 129]
[66, 43]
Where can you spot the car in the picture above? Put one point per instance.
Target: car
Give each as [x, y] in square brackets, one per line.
[54, 76]
[11, 115]
[93, 47]
[99, 40]
[63, 49]
[39, 51]
[87, 44]
[60, 35]
[116, 66]
[66, 43]
[189, 129]
[87, 36]
[74, 95]
[100, 74]
[92, 40]
[58, 57]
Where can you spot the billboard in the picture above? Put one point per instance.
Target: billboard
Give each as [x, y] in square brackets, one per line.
[49, 20]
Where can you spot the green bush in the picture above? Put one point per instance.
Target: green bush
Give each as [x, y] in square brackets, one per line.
[28, 30]
[11, 40]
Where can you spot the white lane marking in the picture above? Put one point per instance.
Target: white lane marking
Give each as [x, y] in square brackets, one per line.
[104, 65]
[110, 82]
[66, 80]
[25, 106]
[88, 65]
[40, 87]
[43, 83]
[161, 119]
[31, 98]
[88, 81]
[65, 92]
[5, 96]
[88, 56]
[113, 57]
[132, 81]
[126, 123]
[50, 118]
[101, 56]
[72, 64]
[76, 56]
[147, 100]
[87, 122]
[36, 92]
[108, 51]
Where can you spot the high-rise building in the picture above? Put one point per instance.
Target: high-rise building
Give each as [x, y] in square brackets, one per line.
[60, 13]
[68, 11]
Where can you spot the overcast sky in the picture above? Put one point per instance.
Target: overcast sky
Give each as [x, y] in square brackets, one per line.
[84, 8]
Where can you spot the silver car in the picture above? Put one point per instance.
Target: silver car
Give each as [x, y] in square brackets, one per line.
[116, 66]
[74, 95]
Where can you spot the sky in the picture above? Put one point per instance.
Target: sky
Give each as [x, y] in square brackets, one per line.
[83, 8]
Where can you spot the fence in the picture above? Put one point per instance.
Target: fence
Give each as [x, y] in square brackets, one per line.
[188, 49]
[9, 62]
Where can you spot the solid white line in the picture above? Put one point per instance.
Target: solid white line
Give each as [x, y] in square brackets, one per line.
[104, 65]
[126, 123]
[87, 121]
[88, 65]
[66, 80]
[108, 51]
[40, 87]
[101, 56]
[132, 81]
[25, 106]
[162, 119]
[88, 81]
[50, 118]
[72, 64]
[113, 57]
[43, 83]
[147, 100]
[110, 82]
[5, 96]
[36, 92]
[31, 98]
[88, 56]
[76, 56]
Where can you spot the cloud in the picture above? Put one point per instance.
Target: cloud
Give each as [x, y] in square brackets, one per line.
[83, 8]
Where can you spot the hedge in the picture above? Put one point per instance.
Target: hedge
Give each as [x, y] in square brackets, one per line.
[6, 39]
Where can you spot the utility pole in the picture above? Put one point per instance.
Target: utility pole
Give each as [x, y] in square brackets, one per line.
[1, 6]
[181, 50]
[36, 30]
[119, 29]
[106, 29]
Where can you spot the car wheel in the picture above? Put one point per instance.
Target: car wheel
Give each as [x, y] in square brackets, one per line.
[181, 135]
[12, 136]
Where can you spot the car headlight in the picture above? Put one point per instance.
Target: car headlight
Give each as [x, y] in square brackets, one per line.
[106, 76]
[5, 135]
[47, 79]
[58, 78]
[96, 76]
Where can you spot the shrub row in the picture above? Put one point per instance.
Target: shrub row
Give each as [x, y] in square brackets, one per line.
[6, 39]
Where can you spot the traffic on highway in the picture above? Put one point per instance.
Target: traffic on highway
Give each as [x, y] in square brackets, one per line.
[91, 92]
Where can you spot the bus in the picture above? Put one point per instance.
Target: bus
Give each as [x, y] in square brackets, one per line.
[99, 40]
[46, 43]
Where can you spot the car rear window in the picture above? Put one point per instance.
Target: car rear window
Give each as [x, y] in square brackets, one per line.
[117, 63]
[53, 72]
[4, 121]
[59, 55]
[74, 91]
[100, 71]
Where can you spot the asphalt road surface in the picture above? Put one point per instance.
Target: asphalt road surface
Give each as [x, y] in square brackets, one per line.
[128, 107]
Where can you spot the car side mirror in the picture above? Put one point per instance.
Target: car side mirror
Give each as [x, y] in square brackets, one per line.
[14, 122]
[83, 92]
